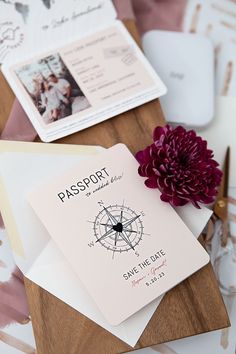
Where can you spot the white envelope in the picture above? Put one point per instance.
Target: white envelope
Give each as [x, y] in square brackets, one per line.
[221, 133]
[23, 166]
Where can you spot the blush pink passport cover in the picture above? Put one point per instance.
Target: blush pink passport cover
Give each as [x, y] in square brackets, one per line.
[125, 245]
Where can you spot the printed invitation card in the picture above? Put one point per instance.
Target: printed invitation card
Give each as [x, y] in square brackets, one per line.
[126, 246]
[31, 26]
[83, 83]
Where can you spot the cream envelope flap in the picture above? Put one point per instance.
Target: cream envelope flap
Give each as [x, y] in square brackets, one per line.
[126, 246]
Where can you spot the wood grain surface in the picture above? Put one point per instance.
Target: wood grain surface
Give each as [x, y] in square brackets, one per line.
[194, 306]
[6, 100]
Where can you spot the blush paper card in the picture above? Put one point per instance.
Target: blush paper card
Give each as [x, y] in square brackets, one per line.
[126, 246]
[77, 85]
[34, 251]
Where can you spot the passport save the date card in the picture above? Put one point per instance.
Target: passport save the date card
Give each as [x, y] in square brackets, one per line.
[126, 246]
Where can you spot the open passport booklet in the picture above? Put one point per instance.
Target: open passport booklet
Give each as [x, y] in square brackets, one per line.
[87, 69]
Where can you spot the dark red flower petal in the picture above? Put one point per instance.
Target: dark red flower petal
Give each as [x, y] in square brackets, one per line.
[151, 182]
[181, 166]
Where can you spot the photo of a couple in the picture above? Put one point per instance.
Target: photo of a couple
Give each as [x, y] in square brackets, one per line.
[52, 88]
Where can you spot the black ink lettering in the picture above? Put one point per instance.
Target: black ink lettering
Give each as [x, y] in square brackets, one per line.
[74, 189]
[104, 169]
[61, 196]
[81, 186]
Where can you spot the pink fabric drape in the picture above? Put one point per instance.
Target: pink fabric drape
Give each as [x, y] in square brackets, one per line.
[13, 301]
[18, 126]
[153, 14]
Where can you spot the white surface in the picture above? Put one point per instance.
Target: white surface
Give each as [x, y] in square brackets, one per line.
[226, 56]
[188, 75]
[221, 133]
[21, 332]
[216, 20]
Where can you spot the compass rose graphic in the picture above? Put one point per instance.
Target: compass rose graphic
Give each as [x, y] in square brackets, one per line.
[118, 228]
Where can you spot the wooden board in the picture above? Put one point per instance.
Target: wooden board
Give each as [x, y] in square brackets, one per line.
[194, 306]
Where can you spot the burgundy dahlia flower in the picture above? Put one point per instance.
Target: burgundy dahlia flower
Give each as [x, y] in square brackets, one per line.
[179, 164]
